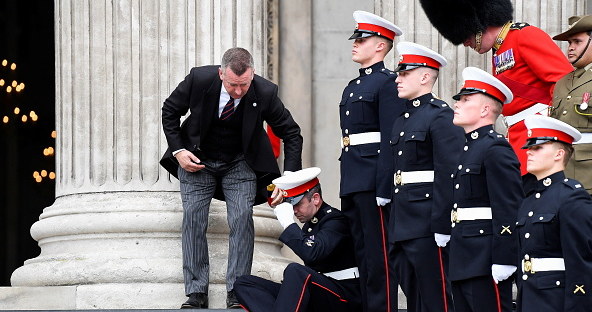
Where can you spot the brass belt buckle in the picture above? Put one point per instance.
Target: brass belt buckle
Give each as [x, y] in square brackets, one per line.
[527, 267]
[398, 179]
[345, 141]
[454, 216]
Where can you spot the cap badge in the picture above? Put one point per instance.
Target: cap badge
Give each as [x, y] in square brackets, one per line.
[416, 103]
[285, 193]
[400, 58]
[529, 133]
[547, 182]
[475, 135]
[314, 220]
[357, 26]
[368, 71]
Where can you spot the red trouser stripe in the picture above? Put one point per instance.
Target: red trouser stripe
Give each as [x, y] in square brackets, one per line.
[244, 308]
[302, 293]
[386, 268]
[497, 296]
[443, 280]
[329, 290]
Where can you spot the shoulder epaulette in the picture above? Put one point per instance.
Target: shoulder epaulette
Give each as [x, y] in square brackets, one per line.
[574, 184]
[518, 26]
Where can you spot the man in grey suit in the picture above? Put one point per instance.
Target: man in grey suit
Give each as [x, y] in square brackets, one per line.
[222, 151]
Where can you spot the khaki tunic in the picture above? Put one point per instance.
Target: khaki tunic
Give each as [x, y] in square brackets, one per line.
[569, 106]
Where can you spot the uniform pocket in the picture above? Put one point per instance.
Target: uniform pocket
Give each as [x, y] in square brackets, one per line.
[547, 281]
[478, 229]
[416, 149]
[473, 182]
[363, 109]
[420, 193]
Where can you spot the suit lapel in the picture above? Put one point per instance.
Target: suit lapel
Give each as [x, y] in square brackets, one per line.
[250, 115]
[211, 101]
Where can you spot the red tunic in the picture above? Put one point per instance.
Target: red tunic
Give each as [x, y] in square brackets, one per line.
[537, 65]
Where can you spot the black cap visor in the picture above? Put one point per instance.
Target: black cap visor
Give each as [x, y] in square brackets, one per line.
[294, 200]
[467, 91]
[540, 140]
[362, 34]
[409, 66]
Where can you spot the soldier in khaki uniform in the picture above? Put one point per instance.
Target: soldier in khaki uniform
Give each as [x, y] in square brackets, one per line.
[571, 97]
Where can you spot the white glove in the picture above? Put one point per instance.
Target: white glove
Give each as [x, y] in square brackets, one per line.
[501, 272]
[382, 201]
[441, 239]
[284, 212]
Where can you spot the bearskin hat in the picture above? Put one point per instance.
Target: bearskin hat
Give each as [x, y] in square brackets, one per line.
[457, 20]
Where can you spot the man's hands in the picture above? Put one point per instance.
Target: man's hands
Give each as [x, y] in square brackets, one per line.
[382, 201]
[441, 239]
[188, 161]
[277, 197]
[284, 212]
[501, 272]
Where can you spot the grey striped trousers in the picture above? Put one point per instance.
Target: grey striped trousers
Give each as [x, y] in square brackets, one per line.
[197, 189]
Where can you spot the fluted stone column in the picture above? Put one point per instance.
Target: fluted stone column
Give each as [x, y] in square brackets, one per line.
[113, 232]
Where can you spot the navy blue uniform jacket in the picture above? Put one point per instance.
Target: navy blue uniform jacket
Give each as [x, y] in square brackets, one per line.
[324, 243]
[423, 138]
[488, 175]
[369, 103]
[555, 221]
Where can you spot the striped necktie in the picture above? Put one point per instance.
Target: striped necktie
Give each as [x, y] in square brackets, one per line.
[228, 109]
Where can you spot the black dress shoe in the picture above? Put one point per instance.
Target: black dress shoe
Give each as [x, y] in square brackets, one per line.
[196, 301]
[231, 301]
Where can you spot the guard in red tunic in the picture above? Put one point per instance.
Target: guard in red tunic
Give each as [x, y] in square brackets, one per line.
[524, 57]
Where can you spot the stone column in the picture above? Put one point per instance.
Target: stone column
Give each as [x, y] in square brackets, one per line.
[114, 229]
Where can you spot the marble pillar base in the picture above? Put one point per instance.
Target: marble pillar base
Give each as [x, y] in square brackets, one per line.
[122, 250]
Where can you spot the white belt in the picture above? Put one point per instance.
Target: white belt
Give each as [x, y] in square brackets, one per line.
[408, 177]
[533, 110]
[344, 274]
[586, 139]
[360, 138]
[534, 265]
[467, 214]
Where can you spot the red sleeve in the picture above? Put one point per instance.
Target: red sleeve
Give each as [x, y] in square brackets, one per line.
[542, 55]
[275, 142]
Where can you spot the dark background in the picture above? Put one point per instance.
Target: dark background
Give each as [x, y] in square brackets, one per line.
[27, 39]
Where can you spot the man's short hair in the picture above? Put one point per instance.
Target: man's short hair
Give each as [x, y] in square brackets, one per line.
[238, 59]
[496, 105]
[569, 151]
[389, 44]
[314, 189]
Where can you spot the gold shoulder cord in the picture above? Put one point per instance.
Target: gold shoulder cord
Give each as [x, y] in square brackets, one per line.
[502, 35]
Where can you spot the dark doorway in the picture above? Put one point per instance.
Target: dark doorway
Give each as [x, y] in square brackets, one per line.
[27, 119]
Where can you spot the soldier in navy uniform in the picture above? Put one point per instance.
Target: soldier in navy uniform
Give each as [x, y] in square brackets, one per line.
[554, 225]
[487, 195]
[368, 107]
[424, 150]
[328, 280]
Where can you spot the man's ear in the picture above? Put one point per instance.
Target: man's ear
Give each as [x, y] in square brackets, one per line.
[559, 154]
[316, 198]
[220, 73]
